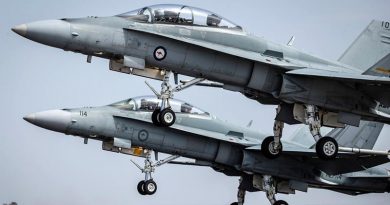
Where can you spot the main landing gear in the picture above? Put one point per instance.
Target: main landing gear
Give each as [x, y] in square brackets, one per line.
[326, 147]
[164, 115]
[268, 186]
[148, 186]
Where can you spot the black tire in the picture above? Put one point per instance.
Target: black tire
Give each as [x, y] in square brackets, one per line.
[155, 119]
[327, 148]
[234, 203]
[266, 148]
[167, 117]
[140, 188]
[280, 202]
[150, 187]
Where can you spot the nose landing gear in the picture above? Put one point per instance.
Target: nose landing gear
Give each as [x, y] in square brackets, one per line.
[164, 115]
[148, 186]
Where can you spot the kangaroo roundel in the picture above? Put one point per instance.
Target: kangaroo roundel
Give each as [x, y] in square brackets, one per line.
[160, 53]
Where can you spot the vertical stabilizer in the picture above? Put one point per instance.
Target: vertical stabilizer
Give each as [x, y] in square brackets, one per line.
[372, 45]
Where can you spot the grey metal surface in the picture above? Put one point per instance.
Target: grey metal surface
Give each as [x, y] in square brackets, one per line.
[211, 47]
[227, 148]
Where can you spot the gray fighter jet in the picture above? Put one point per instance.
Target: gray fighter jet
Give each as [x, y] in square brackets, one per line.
[156, 41]
[125, 127]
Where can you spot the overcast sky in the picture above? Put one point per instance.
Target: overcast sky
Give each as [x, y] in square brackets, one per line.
[39, 167]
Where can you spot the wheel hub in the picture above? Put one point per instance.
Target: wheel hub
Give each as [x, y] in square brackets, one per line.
[168, 117]
[272, 149]
[151, 187]
[329, 148]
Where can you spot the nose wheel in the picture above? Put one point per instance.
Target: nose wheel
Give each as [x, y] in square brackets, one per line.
[148, 186]
[164, 116]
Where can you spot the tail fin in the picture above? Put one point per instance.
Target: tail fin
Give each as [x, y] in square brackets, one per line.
[363, 137]
[372, 45]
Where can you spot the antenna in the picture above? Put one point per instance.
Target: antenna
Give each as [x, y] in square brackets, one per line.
[250, 124]
[291, 41]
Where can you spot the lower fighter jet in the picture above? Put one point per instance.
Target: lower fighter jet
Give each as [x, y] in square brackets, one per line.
[125, 127]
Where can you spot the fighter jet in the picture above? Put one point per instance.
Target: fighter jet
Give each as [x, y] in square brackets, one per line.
[156, 41]
[125, 127]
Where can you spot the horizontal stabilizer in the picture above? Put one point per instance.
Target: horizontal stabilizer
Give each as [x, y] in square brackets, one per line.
[382, 68]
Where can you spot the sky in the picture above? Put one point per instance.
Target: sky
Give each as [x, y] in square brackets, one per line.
[39, 167]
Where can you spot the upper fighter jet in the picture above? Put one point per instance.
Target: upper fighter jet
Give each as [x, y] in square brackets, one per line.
[156, 41]
[125, 127]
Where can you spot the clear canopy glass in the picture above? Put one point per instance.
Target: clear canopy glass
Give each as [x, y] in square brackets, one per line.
[179, 14]
[150, 103]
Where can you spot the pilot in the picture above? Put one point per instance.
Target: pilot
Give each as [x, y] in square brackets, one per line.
[185, 108]
[171, 16]
[159, 15]
[144, 105]
[213, 20]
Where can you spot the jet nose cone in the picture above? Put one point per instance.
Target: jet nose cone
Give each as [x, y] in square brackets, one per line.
[56, 120]
[54, 33]
[20, 29]
[29, 118]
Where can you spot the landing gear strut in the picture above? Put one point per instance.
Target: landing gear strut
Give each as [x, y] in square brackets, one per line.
[164, 115]
[272, 146]
[148, 186]
[270, 190]
[264, 183]
[326, 147]
[240, 195]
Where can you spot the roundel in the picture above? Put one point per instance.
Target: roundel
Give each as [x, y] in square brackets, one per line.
[160, 53]
[143, 135]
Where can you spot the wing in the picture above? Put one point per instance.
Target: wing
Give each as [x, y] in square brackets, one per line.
[364, 136]
[344, 163]
[375, 86]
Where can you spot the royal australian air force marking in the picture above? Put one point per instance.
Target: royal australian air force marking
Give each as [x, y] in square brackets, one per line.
[143, 135]
[160, 53]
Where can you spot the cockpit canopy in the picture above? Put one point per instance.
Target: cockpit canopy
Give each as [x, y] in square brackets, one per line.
[180, 15]
[149, 104]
